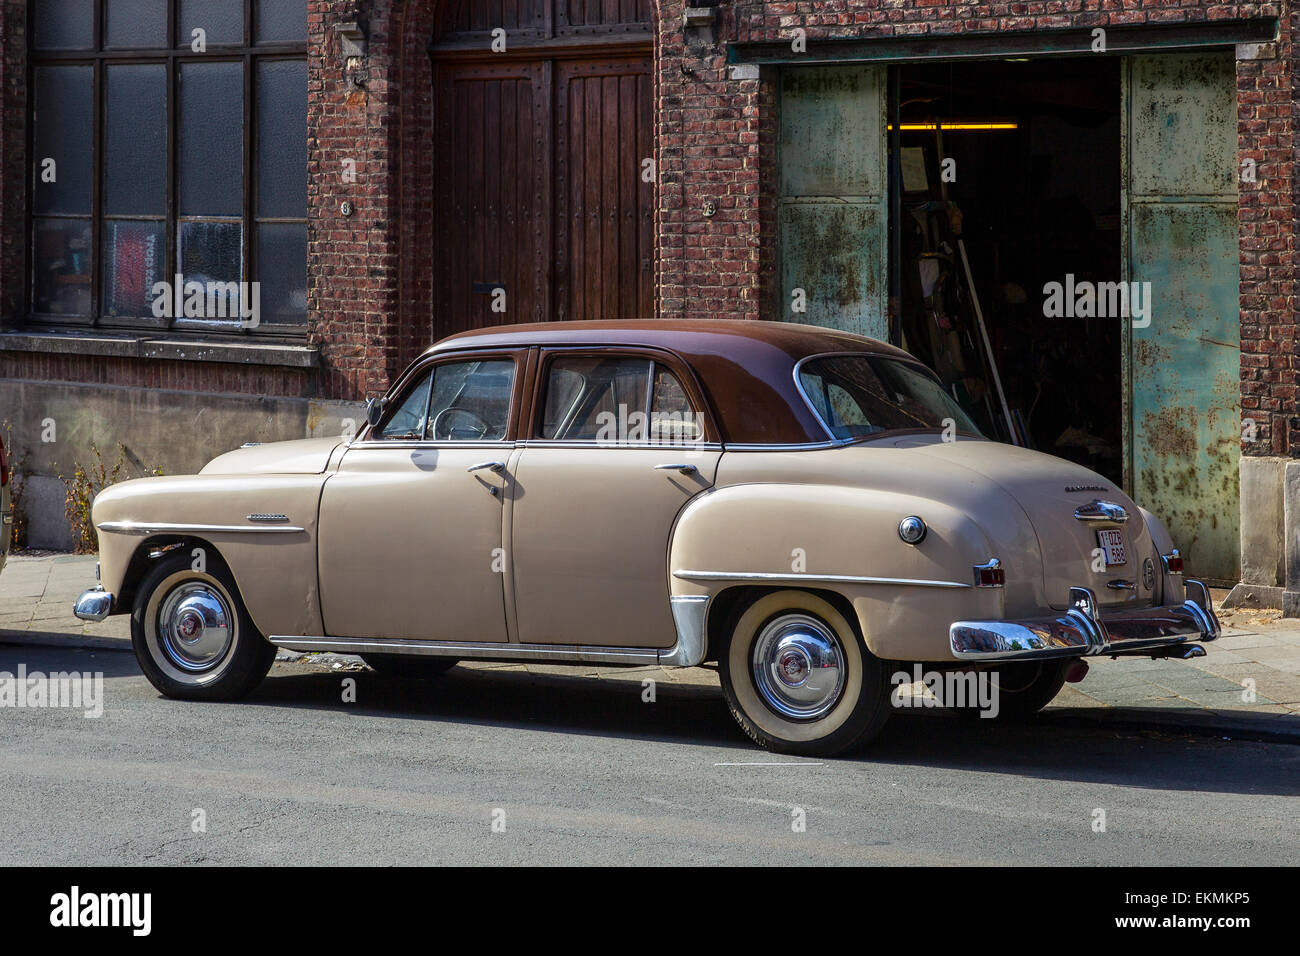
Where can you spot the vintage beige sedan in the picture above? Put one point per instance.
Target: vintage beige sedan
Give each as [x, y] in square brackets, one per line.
[807, 508]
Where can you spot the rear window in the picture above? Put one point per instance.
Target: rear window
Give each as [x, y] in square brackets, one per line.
[859, 395]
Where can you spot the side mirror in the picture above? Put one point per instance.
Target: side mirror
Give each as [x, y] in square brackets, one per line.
[375, 410]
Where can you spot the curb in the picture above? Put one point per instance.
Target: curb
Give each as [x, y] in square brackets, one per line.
[72, 642]
[1258, 729]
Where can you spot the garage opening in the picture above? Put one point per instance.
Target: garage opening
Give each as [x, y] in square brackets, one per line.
[1010, 178]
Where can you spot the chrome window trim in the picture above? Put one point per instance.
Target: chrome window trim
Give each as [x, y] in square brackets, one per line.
[880, 355]
[612, 446]
[142, 528]
[792, 578]
[431, 444]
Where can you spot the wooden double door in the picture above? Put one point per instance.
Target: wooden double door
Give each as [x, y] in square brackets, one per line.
[543, 181]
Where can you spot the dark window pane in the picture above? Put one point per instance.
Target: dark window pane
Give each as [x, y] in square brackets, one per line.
[64, 24]
[135, 24]
[134, 259]
[282, 139]
[211, 253]
[221, 20]
[64, 132]
[471, 401]
[282, 271]
[212, 139]
[135, 140]
[611, 400]
[61, 259]
[282, 21]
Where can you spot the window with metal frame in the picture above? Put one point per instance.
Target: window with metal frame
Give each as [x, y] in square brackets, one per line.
[168, 183]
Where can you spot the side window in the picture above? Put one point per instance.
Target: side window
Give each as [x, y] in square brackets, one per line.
[407, 422]
[471, 401]
[616, 401]
[673, 421]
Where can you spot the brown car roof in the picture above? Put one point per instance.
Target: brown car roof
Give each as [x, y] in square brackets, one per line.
[745, 368]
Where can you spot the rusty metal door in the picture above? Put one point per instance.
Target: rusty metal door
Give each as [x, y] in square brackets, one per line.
[1183, 362]
[833, 216]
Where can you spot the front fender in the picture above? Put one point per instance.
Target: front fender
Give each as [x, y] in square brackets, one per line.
[263, 527]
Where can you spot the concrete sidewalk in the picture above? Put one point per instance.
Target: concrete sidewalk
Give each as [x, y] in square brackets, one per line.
[1259, 651]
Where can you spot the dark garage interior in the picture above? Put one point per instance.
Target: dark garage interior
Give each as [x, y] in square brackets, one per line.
[1031, 189]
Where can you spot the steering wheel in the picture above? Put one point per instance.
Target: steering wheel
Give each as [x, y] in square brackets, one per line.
[478, 421]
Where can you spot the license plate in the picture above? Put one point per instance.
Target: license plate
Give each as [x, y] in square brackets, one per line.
[1112, 547]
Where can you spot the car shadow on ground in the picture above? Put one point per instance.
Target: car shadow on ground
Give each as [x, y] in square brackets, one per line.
[1063, 745]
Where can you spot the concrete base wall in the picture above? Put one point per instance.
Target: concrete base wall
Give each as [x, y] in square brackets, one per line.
[1270, 535]
[50, 428]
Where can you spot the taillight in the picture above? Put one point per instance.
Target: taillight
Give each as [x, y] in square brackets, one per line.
[4, 465]
[990, 575]
[1173, 562]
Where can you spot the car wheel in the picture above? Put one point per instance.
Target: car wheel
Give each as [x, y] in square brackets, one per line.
[193, 636]
[799, 679]
[409, 665]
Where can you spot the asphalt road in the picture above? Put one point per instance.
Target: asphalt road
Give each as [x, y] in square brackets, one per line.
[581, 770]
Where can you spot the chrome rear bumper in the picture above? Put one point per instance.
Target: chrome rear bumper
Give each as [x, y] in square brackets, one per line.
[94, 605]
[1082, 631]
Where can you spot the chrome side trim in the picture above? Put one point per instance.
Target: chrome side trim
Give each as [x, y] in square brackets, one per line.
[142, 528]
[799, 446]
[269, 518]
[94, 605]
[819, 578]
[472, 650]
[689, 614]
[1098, 510]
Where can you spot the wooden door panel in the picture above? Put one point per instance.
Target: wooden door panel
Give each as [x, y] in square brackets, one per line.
[604, 222]
[492, 197]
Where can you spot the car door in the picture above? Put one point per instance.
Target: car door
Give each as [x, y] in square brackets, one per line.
[617, 444]
[410, 525]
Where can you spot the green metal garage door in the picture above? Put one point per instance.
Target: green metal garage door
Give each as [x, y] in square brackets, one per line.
[833, 198]
[1183, 367]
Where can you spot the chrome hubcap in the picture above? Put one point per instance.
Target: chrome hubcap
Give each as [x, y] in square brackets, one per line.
[798, 667]
[194, 626]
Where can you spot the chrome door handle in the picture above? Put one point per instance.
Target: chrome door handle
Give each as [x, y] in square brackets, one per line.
[684, 469]
[494, 466]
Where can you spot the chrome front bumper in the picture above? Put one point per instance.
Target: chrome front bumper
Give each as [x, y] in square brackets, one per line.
[94, 605]
[1082, 631]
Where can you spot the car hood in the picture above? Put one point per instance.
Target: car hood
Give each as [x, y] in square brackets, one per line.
[1049, 489]
[308, 456]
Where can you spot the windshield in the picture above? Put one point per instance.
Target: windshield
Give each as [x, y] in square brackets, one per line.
[859, 395]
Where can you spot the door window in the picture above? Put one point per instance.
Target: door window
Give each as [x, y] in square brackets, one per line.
[617, 401]
[471, 401]
[457, 401]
